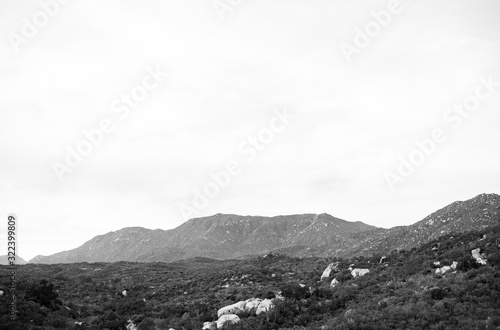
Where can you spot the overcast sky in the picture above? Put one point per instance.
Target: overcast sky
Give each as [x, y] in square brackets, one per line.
[178, 88]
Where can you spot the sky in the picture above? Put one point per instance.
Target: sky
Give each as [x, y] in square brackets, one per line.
[147, 113]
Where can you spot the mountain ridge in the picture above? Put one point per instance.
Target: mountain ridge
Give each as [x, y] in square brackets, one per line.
[230, 236]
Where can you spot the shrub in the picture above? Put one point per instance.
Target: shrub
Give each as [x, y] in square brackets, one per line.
[467, 262]
[294, 291]
[44, 294]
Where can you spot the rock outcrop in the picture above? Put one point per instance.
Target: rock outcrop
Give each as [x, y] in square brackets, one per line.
[443, 270]
[359, 272]
[131, 325]
[209, 326]
[331, 267]
[476, 254]
[227, 319]
[237, 308]
[252, 304]
[264, 306]
[232, 313]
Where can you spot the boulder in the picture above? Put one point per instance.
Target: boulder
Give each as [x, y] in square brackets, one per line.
[1, 293]
[382, 260]
[209, 326]
[238, 309]
[264, 306]
[331, 267]
[124, 293]
[252, 304]
[359, 272]
[443, 270]
[476, 254]
[227, 319]
[334, 283]
[131, 326]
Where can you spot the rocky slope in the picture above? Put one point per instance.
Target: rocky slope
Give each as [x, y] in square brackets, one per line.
[221, 236]
[474, 214]
[224, 236]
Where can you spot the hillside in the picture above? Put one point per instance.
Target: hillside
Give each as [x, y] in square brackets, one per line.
[220, 236]
[401, 291]
[479, 212]
[225, 236]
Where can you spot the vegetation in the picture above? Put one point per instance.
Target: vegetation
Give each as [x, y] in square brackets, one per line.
[402, 292]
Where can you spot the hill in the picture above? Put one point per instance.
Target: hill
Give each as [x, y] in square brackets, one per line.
[5, 261]
[226, 236]
[222, 236]
[400, 291]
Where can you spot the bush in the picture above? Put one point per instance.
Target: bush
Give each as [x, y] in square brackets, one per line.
[294, 291]
[494, 259]
[44, 294]
[344, 275]
[146, 324]
[467, 262]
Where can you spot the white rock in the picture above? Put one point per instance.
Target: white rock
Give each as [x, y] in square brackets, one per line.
[252, 304]
[78, 323]
[382, 260]
[331, 267]
[477, 255]
[209, 326]
[264, 306]
[443, 270]
[359, 272]
[124, 293]
[227, 319]
[131, 325]
[334, 283]
[1, 293]
[238, 309]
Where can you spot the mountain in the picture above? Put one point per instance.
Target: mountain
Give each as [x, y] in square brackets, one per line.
[5, 261]
[477, 213]
[221, 236]
[227, 236]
